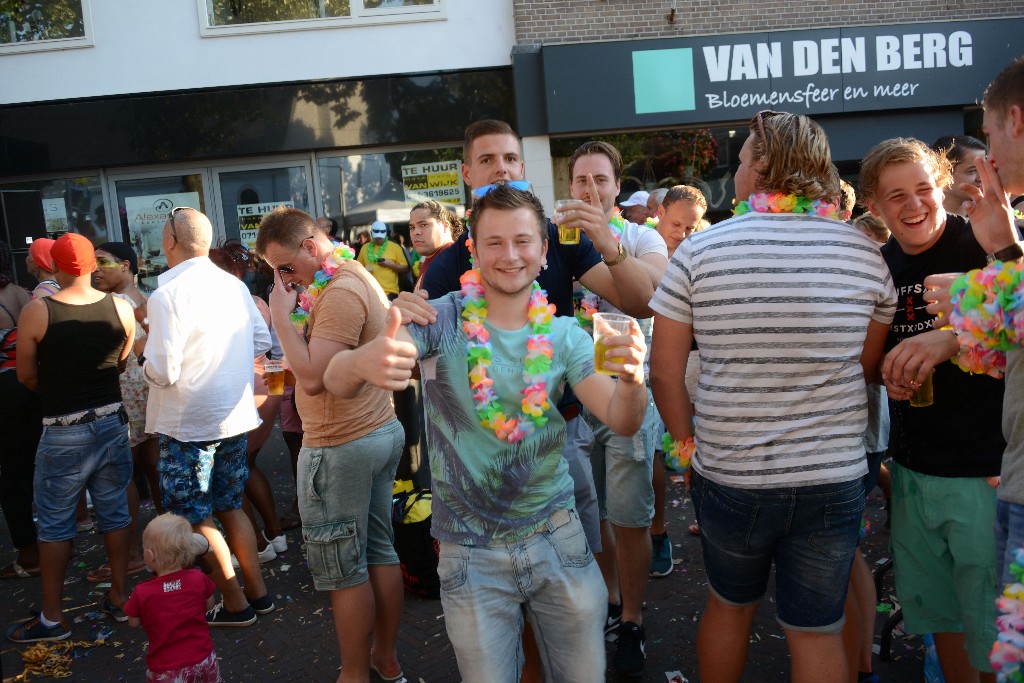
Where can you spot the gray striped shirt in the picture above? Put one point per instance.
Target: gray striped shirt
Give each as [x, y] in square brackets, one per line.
[780, 306]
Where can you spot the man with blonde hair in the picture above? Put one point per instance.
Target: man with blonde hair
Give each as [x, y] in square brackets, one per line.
[784, 301]
[943, 508]
[680, 214]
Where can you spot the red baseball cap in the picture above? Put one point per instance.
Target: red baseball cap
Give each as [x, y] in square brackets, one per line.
[74, 254]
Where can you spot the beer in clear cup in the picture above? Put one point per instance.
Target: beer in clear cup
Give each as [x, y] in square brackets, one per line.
[568, 232]
[608, 325]
[273, 375]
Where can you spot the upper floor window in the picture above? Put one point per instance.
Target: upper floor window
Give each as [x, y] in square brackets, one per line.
[254, 16]
[26, 26]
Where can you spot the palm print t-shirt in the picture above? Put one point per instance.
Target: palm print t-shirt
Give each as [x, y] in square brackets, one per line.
[487, 490]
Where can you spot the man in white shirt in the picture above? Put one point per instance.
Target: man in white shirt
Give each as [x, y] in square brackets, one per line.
[623, 466]
[204, 333]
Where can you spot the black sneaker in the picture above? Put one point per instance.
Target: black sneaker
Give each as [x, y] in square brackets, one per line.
[218, 616]
[113, 610]
[630, 654]
[33, 631]
[264, 605]
[612, 622]
[661, 555]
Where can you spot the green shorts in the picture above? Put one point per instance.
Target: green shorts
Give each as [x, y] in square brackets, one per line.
[944, 554]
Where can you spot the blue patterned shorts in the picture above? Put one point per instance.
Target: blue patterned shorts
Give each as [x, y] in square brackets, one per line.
[198, 478]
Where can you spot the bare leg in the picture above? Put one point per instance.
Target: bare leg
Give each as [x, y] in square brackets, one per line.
[146, 455]
[386, 582]
[117, 543]
[134, 536]
[82, 510]
[261, 497]
[353, 623]
[533, 670]
[816, 657]
[221, 571]
[53, 564]
[241, 539]
[606, 560]
[956, 668]
[658, 480]
[723, 639]
[633, 561]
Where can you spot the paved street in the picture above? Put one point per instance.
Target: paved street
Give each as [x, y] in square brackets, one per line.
[297, 641]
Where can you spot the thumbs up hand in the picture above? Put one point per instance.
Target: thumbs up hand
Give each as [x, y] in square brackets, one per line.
[390, 359]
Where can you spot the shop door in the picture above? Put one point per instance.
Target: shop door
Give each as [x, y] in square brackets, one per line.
[248, 193]
[144, 202]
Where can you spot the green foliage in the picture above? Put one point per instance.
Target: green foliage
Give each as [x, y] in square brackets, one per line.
[24, 22]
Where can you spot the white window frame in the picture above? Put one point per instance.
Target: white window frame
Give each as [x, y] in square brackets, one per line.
[85, 40]
[359, 17]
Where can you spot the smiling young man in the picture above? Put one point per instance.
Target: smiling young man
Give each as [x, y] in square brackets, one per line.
[623, 466]
[511, 541]
[350, 447]
[943, 508]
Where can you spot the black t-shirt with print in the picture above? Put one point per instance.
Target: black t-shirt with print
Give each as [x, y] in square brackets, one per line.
[960, 434]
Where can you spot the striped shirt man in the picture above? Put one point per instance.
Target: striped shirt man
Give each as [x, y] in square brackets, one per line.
[780, 306]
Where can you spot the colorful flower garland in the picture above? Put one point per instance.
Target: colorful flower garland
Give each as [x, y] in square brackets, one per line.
[988, 316]
[590, 301]
[1008, 651]
[300, 316]
[678, 453]
[539, 351]
[786, 203]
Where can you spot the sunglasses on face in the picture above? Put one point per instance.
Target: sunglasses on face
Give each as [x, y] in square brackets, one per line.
[522, 185]
[289, 270]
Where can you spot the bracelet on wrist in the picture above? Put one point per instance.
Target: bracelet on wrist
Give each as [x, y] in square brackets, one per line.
[1010, 253]
[678, 453]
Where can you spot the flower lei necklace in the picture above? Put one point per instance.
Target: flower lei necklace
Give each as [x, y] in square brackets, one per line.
[342, 252]
[535, 367]
[589, 303]
[786, 203]
[375, 254]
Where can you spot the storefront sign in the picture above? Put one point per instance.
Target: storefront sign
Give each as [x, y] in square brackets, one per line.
[612, 85]
[249, 217]
[146, 218]
[439, 180]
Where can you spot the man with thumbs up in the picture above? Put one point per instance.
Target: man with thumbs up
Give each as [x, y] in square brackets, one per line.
[350, 446]
[493, 367]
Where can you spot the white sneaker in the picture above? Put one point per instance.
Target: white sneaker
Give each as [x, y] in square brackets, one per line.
[266, 555]
[280, 543]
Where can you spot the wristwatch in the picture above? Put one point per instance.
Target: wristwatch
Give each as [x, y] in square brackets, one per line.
[618, 259]
[1010, 253]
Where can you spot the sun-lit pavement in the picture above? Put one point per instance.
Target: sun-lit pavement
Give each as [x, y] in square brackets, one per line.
[297, 641]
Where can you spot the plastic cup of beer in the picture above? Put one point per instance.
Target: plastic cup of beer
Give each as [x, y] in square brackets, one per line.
[607, 325]
[273, 375]
[924, 395]
[568, 232]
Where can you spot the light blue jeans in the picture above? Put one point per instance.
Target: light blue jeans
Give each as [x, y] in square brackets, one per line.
[553, 578]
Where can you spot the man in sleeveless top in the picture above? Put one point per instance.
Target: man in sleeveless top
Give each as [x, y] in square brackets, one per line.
[71, 348]
[204, 332]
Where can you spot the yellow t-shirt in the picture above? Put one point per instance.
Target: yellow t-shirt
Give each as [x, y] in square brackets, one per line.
[387, 278]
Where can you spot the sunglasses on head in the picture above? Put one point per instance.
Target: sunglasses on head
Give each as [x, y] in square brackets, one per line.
[174, 212]
[522, 185]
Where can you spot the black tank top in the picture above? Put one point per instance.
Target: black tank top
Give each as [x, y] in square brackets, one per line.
[78, 356]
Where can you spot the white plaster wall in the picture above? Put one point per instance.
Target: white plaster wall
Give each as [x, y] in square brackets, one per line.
[155, 45]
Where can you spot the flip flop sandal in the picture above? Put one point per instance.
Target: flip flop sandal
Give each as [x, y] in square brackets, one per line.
[16, 571]
[103, 573]
[694, 529]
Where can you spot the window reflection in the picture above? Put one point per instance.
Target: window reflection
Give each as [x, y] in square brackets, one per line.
[26, 22]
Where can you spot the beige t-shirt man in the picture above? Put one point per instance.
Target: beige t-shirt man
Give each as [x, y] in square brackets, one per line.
[350, 310]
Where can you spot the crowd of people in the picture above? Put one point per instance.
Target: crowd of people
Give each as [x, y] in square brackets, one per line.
[778, 356]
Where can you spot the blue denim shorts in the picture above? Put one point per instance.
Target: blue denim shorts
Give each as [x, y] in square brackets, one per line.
[550, 576]
[345, 495]
[809, 532]
[95, 456]
[198, 478]
[623, 467]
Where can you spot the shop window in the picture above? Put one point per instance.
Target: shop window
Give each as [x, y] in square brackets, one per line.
[44, 25]
[249, 16]
[704, 158]
[71, 205]
[361, 188]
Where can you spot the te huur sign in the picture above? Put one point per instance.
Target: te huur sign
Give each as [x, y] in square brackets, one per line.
[630, 84]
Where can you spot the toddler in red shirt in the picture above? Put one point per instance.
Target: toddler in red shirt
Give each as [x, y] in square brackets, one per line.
[172, 606]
